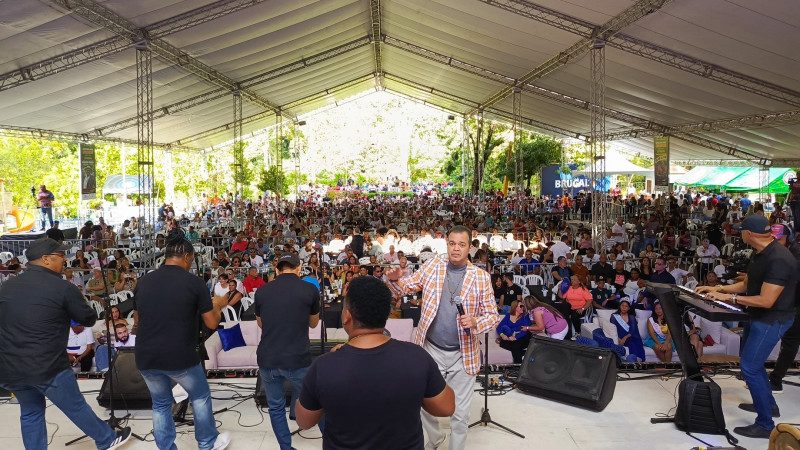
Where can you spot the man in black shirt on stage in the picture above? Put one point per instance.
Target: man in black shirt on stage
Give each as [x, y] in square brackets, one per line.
[768, 291]
[35, 312]
[285, 308]
[394, 381]
[169, 303]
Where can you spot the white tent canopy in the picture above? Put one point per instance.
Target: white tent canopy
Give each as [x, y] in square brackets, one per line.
[719, 75]
[615, 164]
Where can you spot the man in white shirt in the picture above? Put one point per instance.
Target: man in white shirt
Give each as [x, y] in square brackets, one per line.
[619, 231]
[680, 275]
[125, 234]
[255, 260]
[306, 252]
[124, 339]
[392, 257]
[560, 248]
[79, 346]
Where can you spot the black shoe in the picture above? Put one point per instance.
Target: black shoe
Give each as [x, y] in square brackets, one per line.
[750, 408]
[753, 431]
[122, 437]
[777, 386]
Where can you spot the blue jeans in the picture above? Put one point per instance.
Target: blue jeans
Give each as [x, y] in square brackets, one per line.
[759, 339]
[652, 241]
[47, 213]
[276, 400]
[63, 391]
[193, 380]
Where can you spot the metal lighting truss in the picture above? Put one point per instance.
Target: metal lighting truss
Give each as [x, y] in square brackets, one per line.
[778, 162]
[120, 26]
[238, 149]
[630, 15]
[763, 120]
[519, 161]
[375, 38]
[650, 51]
[115, 44]
[144, 137]
[597, 149]
[251, 82]
[567, 100]
[64, 136]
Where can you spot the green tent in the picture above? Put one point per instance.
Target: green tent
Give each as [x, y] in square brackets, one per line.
[750, 181]
[711, 177]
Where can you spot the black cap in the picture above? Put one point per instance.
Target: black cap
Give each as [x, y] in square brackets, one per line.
[44, 246]
[754, 224]
[289, 259]
[600, 278]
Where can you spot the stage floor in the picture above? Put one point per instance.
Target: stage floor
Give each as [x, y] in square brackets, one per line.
[625, 423]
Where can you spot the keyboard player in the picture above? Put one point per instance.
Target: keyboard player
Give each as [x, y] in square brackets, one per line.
[768, 291]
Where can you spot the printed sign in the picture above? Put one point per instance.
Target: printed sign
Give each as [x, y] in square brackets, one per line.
[88, 178]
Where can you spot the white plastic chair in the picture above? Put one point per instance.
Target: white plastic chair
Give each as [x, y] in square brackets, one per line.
[727, 250]
[247, 302]
[5, 257]
[533, 280]
[519, 280]
[364, 260]
[230, 314]
[124, 295]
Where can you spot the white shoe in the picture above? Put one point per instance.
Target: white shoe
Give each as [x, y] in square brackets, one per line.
[223, 441]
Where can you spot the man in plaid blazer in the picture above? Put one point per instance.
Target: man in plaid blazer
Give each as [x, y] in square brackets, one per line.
[452, 339]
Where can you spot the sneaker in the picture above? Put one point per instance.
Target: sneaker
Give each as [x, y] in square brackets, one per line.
[776, 412]
[122, 437]
[777, 386]
[753, 431]
[223, 441]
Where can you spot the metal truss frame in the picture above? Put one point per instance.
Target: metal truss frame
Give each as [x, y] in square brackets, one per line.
[144, 137]
[651, 51]
[251, 82]
[238, 148]
[765, 120]
[781, 162]
[106, 47]
[65, 136]
[627, 17]
[120, 26]
[597, 144]
[375, 38]
[519, 160]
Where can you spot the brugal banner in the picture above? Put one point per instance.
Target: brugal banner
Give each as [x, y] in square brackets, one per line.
[88, 174]
[661, 160]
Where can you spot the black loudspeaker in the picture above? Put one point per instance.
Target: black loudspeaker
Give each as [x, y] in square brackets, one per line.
[130, 390]
[570, 373]
[261, 394]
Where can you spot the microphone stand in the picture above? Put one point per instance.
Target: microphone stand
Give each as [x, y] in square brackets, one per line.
[113, 420]
[323, 299]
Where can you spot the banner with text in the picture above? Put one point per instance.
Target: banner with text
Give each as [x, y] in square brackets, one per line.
[661, 160]
[88, 174]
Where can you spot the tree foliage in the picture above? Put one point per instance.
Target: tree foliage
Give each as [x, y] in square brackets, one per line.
[537, 151]
[271, 179]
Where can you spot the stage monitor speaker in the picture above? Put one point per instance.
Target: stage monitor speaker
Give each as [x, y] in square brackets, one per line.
[261, 394]
[130, 390]
[570, 373]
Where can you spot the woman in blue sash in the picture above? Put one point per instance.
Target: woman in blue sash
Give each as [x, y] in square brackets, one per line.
[627, 330]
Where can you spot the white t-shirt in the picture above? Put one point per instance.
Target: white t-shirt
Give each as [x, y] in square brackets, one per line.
[77, 343]
[131, 342]
[620, 229]
[256, 262]
[559, 249]
[678, 274]
[124, 236]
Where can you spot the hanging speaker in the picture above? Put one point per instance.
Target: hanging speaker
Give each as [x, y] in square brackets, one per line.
[570, 373]
[130, 390]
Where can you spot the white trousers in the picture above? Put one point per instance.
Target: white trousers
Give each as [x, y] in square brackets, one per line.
[451, 366]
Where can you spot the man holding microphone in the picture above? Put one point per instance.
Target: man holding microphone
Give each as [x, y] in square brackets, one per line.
[457, 305]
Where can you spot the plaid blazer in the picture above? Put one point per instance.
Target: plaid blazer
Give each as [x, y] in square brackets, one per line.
[478, 301]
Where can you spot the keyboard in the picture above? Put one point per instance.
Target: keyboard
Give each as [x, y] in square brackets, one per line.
[713, 310]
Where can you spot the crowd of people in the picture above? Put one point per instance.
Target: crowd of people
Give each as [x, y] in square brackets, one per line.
[538, 262]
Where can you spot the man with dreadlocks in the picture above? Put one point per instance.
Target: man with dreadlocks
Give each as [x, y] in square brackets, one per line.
[168, 302]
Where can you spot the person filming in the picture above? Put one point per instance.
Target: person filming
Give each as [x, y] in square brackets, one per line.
[768, 290]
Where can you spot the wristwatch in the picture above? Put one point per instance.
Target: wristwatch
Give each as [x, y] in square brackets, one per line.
[733, 298]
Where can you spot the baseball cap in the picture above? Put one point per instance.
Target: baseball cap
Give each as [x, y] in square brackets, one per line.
[600, 278]
[754, 224]
[289, 259]
[44, 246]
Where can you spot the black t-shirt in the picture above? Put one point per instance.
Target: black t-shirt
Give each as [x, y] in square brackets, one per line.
[511, 293]
[606, 271]
[284, 305]
[169, 301]
[775, 265]
[35, 312]
[372, 397]
[618, 279]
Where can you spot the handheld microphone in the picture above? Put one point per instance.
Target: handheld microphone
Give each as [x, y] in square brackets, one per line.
[460, 308]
